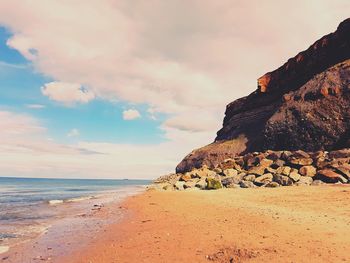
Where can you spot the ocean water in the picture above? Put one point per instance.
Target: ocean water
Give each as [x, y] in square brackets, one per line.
[28, 204]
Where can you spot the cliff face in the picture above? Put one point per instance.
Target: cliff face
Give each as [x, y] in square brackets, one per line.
[304, 104]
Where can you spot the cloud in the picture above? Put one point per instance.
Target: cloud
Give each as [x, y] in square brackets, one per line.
[145, 53]
[67, 93]
[35, 106]
[73, 133]
[131, 114]
[27, 151]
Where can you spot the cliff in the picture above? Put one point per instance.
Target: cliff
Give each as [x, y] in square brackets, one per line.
[304, 105]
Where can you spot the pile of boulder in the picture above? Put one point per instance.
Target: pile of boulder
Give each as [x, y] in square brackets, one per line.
[265, 169]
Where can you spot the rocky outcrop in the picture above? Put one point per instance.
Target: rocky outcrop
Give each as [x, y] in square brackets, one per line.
[265, 169]
[304, 104]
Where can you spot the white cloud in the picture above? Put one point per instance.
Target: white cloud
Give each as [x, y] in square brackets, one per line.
[35, 106]
[144, 52]
[73, 133]
[188, 67]
[26, 150]
[67, 93]
[131, 114]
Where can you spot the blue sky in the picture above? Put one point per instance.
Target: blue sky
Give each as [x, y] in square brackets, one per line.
[98, 120]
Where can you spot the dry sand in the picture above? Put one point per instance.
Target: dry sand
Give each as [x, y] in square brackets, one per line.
[287, 224]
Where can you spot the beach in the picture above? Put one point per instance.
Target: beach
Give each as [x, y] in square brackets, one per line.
[287, 224]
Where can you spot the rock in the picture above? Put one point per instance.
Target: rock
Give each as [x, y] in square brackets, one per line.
[274, 155]
[213, 183]
[263, 179]
[272, 184]
[201, 184]
[343, 153]
[304, 180]
[294, 176]
[186, 177]
[278, 163]
[260, 169]
[270, 170]
[307, 170]
[217, 170]
[202, 173]
[230, 172]
[282, 179]
[285, 170]
[247, 184]
[169, 178]
[250, 177]
[300, 161]
[343, 169]
[179, 185]
[190, 184]
[232, 180]
[329, 176]
[304, 104]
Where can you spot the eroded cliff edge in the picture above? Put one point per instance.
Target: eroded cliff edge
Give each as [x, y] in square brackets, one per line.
[304, 105]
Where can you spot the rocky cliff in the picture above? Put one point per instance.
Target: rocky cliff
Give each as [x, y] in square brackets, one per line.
[304, 104]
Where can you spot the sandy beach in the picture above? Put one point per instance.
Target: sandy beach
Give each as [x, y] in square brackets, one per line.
[287, 224]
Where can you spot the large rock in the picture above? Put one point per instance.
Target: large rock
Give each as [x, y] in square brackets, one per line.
[213, 183]
[304, 104]
[263, 179]
[329, 176]
[308, 171]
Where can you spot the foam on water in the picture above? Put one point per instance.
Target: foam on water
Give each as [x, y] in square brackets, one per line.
[27, 205]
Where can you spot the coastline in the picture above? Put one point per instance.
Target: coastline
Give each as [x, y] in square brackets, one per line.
[79, 220]
[289, 224]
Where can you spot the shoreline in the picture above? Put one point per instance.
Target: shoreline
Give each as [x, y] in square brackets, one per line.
[287, 224]
[79, 220]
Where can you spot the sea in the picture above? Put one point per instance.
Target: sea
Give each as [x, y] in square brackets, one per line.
[29, 206]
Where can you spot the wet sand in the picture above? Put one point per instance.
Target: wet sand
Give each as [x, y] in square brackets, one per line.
[288, 224]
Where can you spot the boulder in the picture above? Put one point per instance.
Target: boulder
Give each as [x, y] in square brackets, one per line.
[230, 172]
[260, 169]
[330, 176]
[179, 185]
[284, 170]
[343, 153]
[202, 173]
[186, 177]
[213, 183]
[307, 170]
[263, 179]
[201, 184]
[247, 184]
[282, 179]
[343, 169]
[300, 161]
[294, 176]
[304, 180]
[232, 180]
[278, 163]
[250, 177]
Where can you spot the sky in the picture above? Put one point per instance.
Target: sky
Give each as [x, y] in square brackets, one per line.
[125, 89]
